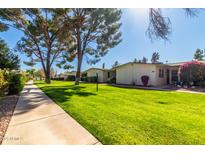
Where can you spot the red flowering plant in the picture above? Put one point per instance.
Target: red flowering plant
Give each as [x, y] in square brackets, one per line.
[193, 71]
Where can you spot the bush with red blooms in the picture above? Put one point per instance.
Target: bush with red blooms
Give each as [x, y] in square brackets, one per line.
[145, 80]
[193, 71]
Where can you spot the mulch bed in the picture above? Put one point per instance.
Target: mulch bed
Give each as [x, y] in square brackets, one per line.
[7, 106]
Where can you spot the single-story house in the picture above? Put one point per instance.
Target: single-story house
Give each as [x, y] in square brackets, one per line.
[130, 73]
[159, 74]
[104, 75]
[66, 74]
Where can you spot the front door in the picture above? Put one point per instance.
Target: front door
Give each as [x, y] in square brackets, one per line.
[168, 76]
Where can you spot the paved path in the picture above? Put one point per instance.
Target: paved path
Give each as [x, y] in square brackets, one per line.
[164, 88]
[38, 120]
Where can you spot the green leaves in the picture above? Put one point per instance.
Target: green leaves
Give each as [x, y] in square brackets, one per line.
[61, 35]
[7, 58]
[199, 54]
[155, 57]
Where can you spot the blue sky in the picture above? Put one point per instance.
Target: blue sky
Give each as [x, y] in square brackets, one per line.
[187, 35]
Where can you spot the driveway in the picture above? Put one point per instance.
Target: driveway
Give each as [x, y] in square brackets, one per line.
[38, 120]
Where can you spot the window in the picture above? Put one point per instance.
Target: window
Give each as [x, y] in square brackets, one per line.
[108, 74]
[161, 73]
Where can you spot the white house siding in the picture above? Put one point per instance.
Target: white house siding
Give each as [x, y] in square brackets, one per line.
[133, 72]
[93, 72]
[161, 80]
[105, 76]
[65, 75]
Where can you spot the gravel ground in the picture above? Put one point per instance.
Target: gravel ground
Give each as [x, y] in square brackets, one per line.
[7, 106]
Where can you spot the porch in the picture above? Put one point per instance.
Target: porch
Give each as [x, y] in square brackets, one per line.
[172, 75]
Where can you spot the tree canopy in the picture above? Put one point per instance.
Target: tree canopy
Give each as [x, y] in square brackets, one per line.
[8, 59]
[199, 54]
[116, 63]
[42, 35]
[155, 57]
[62, 35]
[160, 25]
[94, 32]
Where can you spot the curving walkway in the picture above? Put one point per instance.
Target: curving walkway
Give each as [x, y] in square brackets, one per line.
[38, 120]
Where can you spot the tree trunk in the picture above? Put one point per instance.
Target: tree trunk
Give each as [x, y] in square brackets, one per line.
[48, 77]
[48, 68]
[80, 57]
[77, 78]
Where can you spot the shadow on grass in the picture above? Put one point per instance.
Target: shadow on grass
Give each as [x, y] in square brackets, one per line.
[139, 88]
[162, 102]
[60, 94]
[64, 93]
[39, 83]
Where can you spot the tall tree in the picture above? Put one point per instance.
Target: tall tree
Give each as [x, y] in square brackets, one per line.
[160, 25]
[94, 31]
[199, 54]
[144, 60]
[42, 35]
[116, 63]
[103, 66]
[155, 57]
[7, 58]
[135, 60]
[31, 72]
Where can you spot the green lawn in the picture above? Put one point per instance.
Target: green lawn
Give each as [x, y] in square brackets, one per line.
[129, 116]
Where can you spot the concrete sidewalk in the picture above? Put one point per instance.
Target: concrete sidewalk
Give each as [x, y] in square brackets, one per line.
[38, 120]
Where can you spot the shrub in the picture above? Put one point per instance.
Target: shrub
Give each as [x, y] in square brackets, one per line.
[201, 84]
[145, 80]
[16, 82]
[84, 79]
[91, 79]
[58, 79]
[112, 80]
[193, 71]
[133, 83]
[71, 78]
[3, 82]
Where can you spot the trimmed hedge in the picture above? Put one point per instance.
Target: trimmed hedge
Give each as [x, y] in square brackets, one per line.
[58, 79]
[112, 80]
[3, 82]
[83, 79]
[12, 82]
[16, 82]
[71, 78]
[91, 79]
[201, 84]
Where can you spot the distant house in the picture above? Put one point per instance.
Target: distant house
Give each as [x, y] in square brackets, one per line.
[66, 74]
[104, 75]
[131, 73]
[159, 74]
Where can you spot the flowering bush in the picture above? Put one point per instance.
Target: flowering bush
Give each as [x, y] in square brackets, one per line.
[193, 71]
[145, 80]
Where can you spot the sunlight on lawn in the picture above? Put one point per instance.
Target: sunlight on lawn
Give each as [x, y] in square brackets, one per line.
[129, 116]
